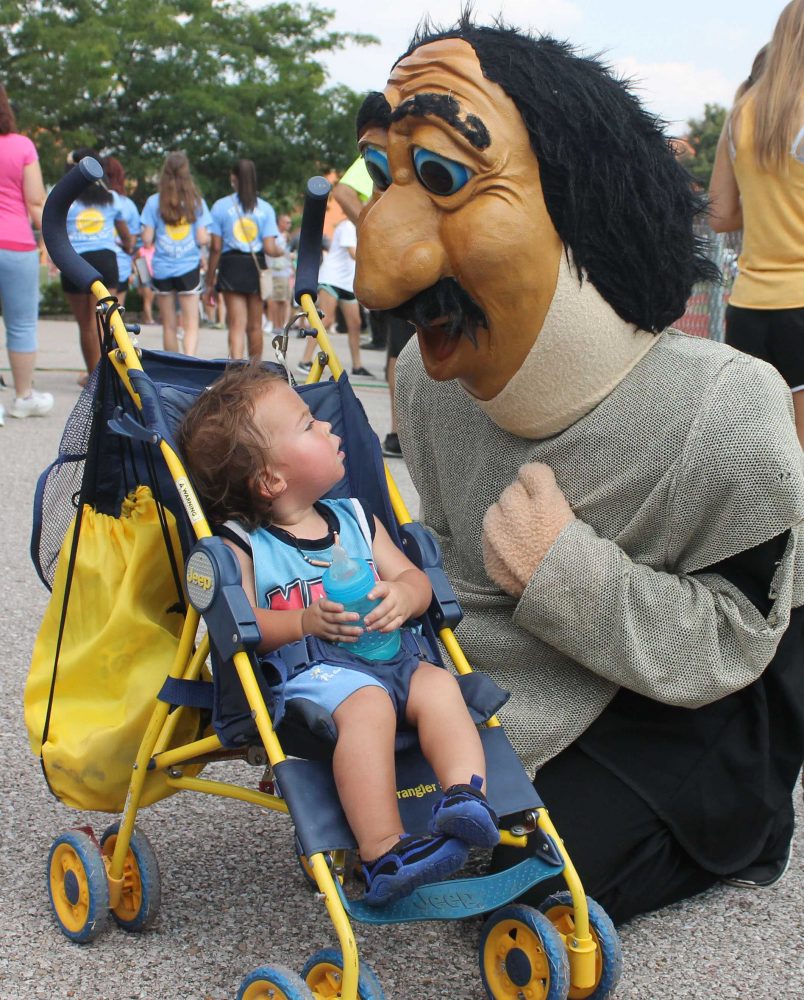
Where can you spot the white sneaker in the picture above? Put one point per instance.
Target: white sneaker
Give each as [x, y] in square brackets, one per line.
[35, 405]
[2, 416]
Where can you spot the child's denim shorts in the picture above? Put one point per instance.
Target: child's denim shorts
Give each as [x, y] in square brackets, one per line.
[339, 673]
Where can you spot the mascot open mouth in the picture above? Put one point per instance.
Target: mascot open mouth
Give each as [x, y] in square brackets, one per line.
[442, 314]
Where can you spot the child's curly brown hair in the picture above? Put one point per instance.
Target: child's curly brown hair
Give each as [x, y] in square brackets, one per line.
[224, 452]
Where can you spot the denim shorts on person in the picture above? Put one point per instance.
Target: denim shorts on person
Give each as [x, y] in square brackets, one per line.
[19, 294]
[327, 685]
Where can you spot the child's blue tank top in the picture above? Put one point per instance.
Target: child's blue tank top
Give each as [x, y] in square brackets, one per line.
[283, 580]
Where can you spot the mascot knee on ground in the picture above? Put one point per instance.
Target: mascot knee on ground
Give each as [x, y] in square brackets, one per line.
[618, 504]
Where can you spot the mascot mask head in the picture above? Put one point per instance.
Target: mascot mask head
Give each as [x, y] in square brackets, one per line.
[492, 153]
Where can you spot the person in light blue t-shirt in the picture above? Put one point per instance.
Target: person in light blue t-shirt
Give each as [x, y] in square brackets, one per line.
[243, 231]
[93, 224]
[116, 181]
[175, 222]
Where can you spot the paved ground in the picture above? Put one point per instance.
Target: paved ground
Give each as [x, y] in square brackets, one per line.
[232, 896]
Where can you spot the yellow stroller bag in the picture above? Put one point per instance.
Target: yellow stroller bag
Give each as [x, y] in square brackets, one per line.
[92, 683]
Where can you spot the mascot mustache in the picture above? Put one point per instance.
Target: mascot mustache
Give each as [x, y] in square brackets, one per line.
[445, 303]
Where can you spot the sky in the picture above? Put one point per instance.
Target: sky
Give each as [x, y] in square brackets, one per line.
[681, 54]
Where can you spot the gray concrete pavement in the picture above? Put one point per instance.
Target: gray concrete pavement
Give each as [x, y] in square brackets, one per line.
[232, 896]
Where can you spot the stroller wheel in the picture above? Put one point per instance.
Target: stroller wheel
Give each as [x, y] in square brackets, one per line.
[273, 982]
[142, 885]
[323, 973]
[522, 954]
[609, 958]
[77, 886]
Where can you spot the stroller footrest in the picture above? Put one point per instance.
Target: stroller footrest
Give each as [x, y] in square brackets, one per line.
[457, 898]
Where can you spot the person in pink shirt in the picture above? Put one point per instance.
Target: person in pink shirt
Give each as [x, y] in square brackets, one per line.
[22, 196]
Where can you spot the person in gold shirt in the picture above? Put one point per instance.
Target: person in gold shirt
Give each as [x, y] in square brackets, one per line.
[758, 186]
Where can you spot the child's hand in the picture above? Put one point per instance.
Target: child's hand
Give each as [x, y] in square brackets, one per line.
[395, 607]
[327, 620]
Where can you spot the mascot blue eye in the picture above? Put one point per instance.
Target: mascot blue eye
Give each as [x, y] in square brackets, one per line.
[437, 173]
[377, 166]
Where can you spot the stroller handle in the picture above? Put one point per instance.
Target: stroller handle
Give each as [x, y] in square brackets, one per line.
[312, 227]
[54, 223]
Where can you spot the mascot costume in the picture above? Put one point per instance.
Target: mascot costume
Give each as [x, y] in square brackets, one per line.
[619, 505]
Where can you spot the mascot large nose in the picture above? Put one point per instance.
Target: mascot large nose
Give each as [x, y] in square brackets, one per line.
[399, 249]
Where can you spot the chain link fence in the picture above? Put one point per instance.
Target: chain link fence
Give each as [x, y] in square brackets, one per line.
[706, 307]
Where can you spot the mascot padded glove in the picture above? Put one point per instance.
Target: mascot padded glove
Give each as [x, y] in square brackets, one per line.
[520, 528]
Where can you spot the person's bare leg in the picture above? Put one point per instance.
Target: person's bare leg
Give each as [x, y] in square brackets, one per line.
[279, 313]
[83, 308]
[254, 334]
[447, 735]
[236, 318]
[167, 312]
[363, 766]
[326, 304]
[272, 311]
[22, 368]
[188, 303]
[351, 313]
[798, 411]
[147, 296]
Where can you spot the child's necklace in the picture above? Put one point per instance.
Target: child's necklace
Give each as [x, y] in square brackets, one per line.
[321, 563]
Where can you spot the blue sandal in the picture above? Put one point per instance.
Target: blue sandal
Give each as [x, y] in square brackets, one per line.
[463, 812]
[411, 862]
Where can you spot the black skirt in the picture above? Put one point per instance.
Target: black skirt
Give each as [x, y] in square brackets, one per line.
[237, 273]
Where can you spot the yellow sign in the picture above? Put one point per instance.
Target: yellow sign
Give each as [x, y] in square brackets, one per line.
[245, 230]
[89, 221]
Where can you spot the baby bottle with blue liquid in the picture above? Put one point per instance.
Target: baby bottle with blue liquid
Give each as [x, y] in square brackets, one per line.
[348, 581]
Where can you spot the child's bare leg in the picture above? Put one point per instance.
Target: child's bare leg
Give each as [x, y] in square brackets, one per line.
[393, 864]
[450, 742]
[447, 735]
[363, 765]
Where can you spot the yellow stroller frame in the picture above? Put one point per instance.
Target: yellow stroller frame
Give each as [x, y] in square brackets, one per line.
[581, 959]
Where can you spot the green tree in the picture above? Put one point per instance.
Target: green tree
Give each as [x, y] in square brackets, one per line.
[703, 136]
[215, 78]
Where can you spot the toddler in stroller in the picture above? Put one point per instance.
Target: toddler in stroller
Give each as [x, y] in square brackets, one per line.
[205, 696]
[261, 464]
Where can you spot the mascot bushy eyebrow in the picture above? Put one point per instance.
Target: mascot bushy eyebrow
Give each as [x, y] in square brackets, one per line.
[618, 505]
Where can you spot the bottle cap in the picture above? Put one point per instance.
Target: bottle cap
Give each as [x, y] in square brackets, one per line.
[343, 566]
[347, 579]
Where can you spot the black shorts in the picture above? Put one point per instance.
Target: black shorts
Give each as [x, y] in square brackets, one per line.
[237, 273]
[181, 283]
[399, 333]
[105, 262]
[774, 335]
